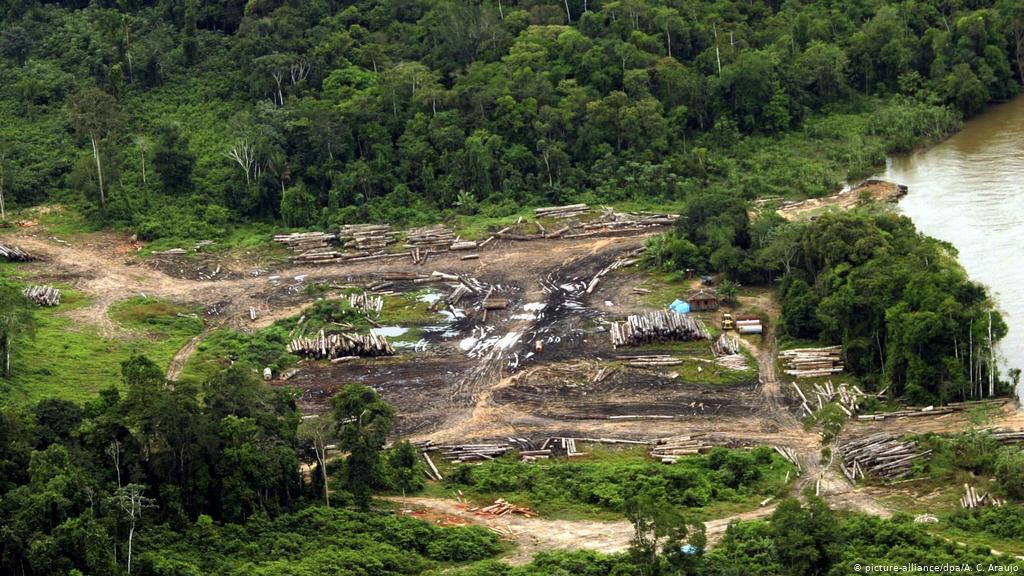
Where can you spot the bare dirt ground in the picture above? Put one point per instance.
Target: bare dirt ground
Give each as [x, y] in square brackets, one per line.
[871, 190]
[534, 535]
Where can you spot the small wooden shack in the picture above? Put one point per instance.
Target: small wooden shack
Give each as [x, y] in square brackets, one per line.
[702, 299]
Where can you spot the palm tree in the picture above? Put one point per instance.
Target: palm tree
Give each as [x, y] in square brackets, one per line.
[16, 319]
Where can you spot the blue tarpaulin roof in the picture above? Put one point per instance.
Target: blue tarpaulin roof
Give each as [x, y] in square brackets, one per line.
[679, 306]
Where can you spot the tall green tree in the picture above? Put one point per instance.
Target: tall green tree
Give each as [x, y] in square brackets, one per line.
[96, 115]
[363, 423]
[173, 160]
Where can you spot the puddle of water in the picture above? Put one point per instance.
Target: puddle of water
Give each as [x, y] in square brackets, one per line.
[389, 331]
[418, 346]
[429, 297]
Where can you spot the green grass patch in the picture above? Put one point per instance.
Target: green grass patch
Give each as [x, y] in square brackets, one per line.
[597, 486]
[158, 318]
[698, 365]
[70, 359]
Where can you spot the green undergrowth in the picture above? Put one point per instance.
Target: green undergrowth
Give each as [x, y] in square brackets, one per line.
[71, 359]
[315, 540]
[597, 485]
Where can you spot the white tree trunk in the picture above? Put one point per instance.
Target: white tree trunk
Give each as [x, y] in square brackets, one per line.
[99, 168]
[131, 533]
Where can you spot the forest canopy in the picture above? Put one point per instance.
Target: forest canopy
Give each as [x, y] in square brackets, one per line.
[178, 119]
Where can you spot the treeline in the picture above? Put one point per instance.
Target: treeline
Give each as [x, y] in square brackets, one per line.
[178, 119]
[903, 309]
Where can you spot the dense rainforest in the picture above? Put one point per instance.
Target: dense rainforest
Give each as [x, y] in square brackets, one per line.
[178, 119]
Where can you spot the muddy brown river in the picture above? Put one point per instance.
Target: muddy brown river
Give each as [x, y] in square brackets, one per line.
[969, 191]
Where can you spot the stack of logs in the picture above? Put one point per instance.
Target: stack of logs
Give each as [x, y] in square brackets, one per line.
[847, 397]
[668, 450]
[42, 295]
[430, 238]
[341, 345]
[725, 345]
[660, 326]
[882, 455]
[970, 499]
[367, 239]
[309, 247]
[790, 455]
[472, 452]
[1007, 436]
[501, 508]
[557, 446]
[366, 302]
[14, 254]
[812, 362]
[560, 212]
[931, 410]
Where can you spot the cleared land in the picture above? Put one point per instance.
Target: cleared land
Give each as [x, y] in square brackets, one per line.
[532, 369]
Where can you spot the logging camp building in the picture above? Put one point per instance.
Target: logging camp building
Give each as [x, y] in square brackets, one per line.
[702, 300]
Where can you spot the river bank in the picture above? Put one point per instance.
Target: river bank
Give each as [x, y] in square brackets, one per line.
[969, 191]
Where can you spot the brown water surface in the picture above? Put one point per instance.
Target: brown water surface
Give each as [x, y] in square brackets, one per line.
[969, 191]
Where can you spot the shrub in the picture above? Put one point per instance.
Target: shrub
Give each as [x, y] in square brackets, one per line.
[974, 450]
[462, 544]
[1010, 472]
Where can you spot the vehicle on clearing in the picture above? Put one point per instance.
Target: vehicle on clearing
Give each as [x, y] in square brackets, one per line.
[727, 323]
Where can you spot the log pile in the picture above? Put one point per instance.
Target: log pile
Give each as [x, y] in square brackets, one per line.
[472, 452]
[930, 410]
[367, 239]
[726, 345]
[612, 222]
[847, 397]
[732, 362]
[971, 500]
[429, 238]
[14, 254]
[366, 302]
[309, 247]
[561, 212]
[882, 455]
[812, 362]
[557, 446]
[660, 326]
[668, 450]
[502, 508]
[1007, 436]
[42, 295]
[790, 455]
[341, 345]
